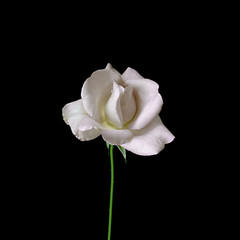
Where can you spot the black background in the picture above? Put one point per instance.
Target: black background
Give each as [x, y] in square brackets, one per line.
[60, 185]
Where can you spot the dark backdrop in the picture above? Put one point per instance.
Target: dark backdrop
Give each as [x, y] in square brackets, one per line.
[61, 185]
[153, 196]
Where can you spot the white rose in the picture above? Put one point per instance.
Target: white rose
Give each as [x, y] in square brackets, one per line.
[122, 108]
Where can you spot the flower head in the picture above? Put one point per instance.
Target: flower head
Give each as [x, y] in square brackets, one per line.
[122, 108]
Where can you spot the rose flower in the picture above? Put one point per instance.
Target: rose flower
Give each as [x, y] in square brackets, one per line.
[122, 108]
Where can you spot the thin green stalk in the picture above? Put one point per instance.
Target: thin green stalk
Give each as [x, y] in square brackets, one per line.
[111, 194]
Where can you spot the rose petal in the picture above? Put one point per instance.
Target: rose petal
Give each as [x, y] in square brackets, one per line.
[88, 135]
[130, 74]
[149, 140]
[85, 134]
[73, 114]
[87, 123]
[148, 101]
[117, 137]
[73, 109]
[128, 105]
[113, 111]
[121, 106]
[97, 89]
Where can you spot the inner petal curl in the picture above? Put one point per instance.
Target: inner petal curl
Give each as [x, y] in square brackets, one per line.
[120, 107]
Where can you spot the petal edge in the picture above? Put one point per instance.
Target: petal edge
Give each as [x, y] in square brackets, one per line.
[150, 140]
[117, 137]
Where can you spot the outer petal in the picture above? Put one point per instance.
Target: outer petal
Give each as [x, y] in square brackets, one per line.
[97, 89]
[73, 110]
[117, 137]
[88, 135]
[130, 74]
[148, 101]
[73, 114]
[88, 123]
[150, 140]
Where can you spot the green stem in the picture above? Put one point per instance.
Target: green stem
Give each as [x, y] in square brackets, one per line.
[111, 194]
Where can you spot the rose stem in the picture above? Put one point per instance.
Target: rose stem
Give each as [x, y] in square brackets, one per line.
[111, 193]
